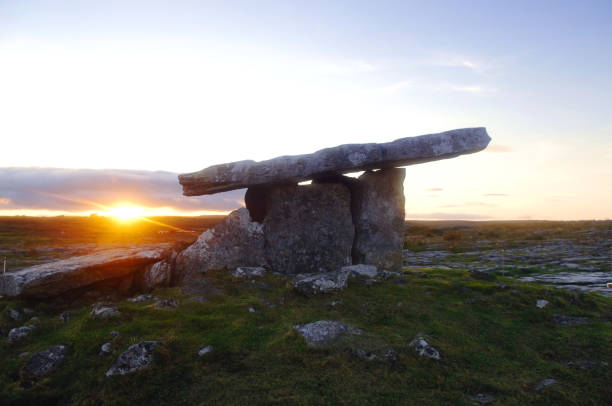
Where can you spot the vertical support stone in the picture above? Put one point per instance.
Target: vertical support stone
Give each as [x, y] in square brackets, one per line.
[378, 215]
[308, 229]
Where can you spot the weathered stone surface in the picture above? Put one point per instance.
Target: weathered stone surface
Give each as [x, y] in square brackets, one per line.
[308, 229]
[19, 333]
[340, 159]
[101, 311]
[55, 278]
[378, 214]
[106, 349]
[248, 272]
[136, 357]
[423, 348]
[236, 241]
[157, 274]
[14, 314]
[47, 360]
[324, 332]
[544, 383]
[542, 303]
[205, 350]
[166, 303]
[369, 271]
[566, 321]
[311, 285]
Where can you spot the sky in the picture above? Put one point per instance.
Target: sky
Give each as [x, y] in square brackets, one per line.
[103, 103]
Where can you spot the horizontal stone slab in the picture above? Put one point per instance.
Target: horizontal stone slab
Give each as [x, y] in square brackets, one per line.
[57, 277]
[341, 159]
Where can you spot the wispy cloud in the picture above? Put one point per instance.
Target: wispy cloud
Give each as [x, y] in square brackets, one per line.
[78, 190]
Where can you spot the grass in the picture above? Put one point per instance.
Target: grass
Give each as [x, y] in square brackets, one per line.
[492, 340]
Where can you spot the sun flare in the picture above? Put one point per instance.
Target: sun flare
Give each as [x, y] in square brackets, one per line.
[126, 213]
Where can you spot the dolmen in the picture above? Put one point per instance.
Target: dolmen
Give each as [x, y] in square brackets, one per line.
[304, 216]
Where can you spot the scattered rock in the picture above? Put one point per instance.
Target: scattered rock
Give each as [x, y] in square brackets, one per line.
[308, 229]
[324, 332]
[378, 215]
[384, 354]
[361, 270]
[235, 242]
[205, 350]
[141, 298]
[19, 333]
[311, 285]
[335, 303]
[541, 303]
[423, 348]
[482, 399]
[586, 364]
[166, 303]
[47, 360]
[24, 354]
[34, 320]
[251, 309]
[544, 383]
[115, 334]
[14, 315]
[101, 311]
[136, 357]
[106, 349]
[248, 271]
[565, 321]
[65, 317]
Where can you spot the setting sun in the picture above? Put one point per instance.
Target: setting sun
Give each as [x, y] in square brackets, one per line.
[126, 213]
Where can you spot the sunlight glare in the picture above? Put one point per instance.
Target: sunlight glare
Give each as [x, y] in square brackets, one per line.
[126, 213]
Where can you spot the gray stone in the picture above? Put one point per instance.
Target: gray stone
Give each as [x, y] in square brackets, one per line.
[115, 334]
[544, 383]
[65, 316]
[235, 242]
[541, 303]
[101, 311]
[248, 272]
[383, 353]
[55, 278]
[141, 298]
[308, 229]
[137, 356]
[423, 348]
[251, 309]
[324, 332]
[157, 274]
[19, 333]
[566, 321]
[106, 349]
[14, 314]
[378, 215]
[482, 399]
[368, 271]
[341, 159]
[205, 350]
[47, 360]
[329, 282]
[166, 303]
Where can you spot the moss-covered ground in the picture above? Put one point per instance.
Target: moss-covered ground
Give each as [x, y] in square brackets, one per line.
[491, 337]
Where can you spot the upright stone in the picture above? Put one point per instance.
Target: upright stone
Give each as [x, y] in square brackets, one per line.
[236, 241]
[378, 215]
[308, 229]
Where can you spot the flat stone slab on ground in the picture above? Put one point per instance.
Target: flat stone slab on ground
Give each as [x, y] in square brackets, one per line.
[136, 357]
[47, 360]
[55, 278]
[341, 159]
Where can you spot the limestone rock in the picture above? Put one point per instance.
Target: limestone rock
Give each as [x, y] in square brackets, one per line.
[361, 270]
[166, 303]
[308, 229]
[65, 316]
[248, 272]
[541, 303]
[544, 383]
[106, 349]
[378, 215]
[47, 360]
[19, 333]
[14, 314]
[236, 241]
[311, 285]
[141, 298]
[205, 350]
[324, 332]
[341, 159]
[136, 357]
[423, 348]
[101, 311]
[157, 274]
[55, 278]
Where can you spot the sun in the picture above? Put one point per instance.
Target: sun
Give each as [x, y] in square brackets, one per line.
[126, 213]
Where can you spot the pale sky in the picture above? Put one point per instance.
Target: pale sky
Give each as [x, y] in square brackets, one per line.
[182, 85]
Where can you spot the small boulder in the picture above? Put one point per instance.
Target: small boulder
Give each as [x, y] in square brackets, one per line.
[141, 298]
[137, 356]
[106, 349]
[101, 311]
[324, 332]
[423, 348]
[205, 350]
[115, 334]
[19, 333]
[541, 303]
[361, 270]
[544, 383]
[566, 321]
[481, 399]
[248, 271]
[14, 315]
[47, 360]
[166, 303]
[329, 282]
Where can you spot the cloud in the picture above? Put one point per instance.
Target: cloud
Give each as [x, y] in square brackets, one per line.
[434, 189]
[77, 190]
[495, 194]
[499, 148]
[446, 216]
